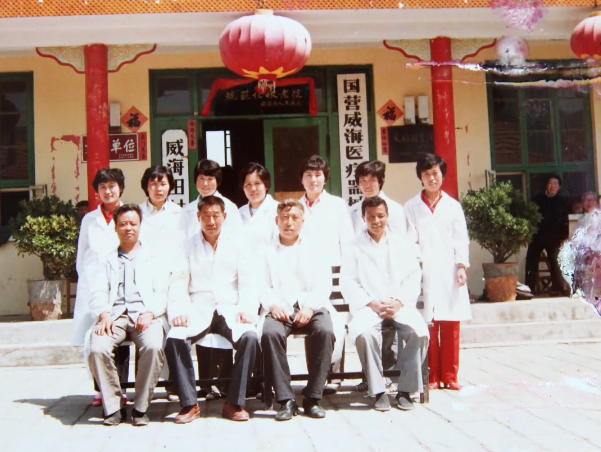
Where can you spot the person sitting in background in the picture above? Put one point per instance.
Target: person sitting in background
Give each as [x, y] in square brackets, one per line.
[552, 230]
[590, 204]
[83, 207]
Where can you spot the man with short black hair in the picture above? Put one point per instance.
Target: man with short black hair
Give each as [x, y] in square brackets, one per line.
[207, 177]
[381, 279]
[213, 295]
[129, 299]
[294, 288]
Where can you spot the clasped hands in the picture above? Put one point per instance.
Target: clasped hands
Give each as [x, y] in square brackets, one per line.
[386, 309]
[301, 319]
[182, 320]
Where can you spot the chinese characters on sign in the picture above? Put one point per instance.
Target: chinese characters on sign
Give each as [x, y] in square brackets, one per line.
[384, 140]
[123, 146]
[390, 112]
[175, 156]
[244, 100]
[192, 134]
[354, 139]
[133, 119]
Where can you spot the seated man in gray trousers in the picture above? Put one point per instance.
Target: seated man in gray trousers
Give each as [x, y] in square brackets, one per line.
[381, 280]
[213, 295]
[129, 298]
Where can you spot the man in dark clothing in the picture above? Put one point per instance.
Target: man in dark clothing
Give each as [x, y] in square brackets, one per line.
[553, 229]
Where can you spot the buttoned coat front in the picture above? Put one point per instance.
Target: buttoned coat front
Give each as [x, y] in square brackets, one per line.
[362, 282]
[260, 228]
[442, 243]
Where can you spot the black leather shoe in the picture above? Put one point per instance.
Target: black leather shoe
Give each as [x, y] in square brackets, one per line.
[116, 418]
[288, 409]
[312, 408]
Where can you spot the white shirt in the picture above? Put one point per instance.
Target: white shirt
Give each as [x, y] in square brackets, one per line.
[397, 222]
[259, 228]
[161, 230]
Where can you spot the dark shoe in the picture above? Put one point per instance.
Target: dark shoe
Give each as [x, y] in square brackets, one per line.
[331, 389]
[453, 386]
[288, 409]
[312, 408]
[382, 402]
[139, 419]
[361, 387]
[116, 418]
[434, 385]
[188, 414]
[234, 412]
[404, 401]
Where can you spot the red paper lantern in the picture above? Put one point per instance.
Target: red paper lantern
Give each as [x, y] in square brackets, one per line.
[265, 47]
[586, 37]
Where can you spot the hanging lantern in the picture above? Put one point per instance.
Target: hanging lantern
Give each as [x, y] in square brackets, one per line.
[265, 47]
[511, 50]
[586, 37]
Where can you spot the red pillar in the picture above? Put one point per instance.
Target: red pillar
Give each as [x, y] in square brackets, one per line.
[444, 112]
[97, 109]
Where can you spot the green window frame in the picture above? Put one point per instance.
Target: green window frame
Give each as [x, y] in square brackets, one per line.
[329, 110]
[558, 165]
[26, 77]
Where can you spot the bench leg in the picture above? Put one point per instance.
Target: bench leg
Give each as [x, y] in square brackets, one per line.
[425, 396]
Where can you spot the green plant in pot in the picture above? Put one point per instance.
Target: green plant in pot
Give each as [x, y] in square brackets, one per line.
[502, 222]
[47, 228]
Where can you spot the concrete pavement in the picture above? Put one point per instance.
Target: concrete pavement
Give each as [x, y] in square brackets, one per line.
[517, 398]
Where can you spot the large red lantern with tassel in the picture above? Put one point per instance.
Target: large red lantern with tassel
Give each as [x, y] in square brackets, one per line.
[586, 37]
[265, 47]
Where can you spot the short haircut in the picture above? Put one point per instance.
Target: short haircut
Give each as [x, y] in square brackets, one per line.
[261, 171]
[109, 175]
[127, 208]
[376, 201]
[589, 193]
[375, 168]
[289, 204]
[555, 176]
[315, 163]
[211, 201]
[157, 173]
[83, 203]
[209, 168]
[426, 162]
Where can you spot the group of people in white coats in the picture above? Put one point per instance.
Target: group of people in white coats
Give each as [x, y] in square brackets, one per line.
[167, 278]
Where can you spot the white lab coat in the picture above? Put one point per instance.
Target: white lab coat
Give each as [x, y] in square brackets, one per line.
[163, 231]
[97, 240]
[397, 222]
[315, 274]
[361, 282]
[443, 243]
[223, 282]
[259, 228]
[152, 281]
[191, 225]
[328, 224]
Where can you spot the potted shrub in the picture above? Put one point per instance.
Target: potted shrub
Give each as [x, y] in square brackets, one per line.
[502, 222]
[49, 229]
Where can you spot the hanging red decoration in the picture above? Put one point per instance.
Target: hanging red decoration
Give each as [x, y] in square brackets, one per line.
[265, 47]
[586, 37]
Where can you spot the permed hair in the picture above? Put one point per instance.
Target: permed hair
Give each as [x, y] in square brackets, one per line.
[315, 163]
[157, 173]
[375, 168]
[109, 175]
[426, 162]
[209, 168]
[262, 173]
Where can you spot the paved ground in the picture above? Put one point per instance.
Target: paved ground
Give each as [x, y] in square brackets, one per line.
[521, 398]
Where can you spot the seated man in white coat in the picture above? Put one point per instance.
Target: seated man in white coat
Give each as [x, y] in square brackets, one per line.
[208, 176]
[214, 295]
[295, 292]
[129, 299]
[381, 280]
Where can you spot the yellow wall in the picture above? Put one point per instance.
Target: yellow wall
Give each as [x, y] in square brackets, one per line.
[60, 111]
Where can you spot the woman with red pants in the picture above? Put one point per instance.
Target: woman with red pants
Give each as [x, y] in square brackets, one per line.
[437, 224]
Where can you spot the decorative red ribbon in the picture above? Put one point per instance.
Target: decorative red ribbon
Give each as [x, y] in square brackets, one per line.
[224, 83]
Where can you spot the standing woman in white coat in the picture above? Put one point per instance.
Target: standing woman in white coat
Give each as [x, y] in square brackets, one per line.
[437, 224]
[97, 239]
[258, 216]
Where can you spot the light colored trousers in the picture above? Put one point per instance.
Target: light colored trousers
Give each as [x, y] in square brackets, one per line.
[151, 359]
[409, 359]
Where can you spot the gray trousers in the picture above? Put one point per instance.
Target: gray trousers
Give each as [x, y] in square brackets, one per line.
[321, 342]
[151, 359]
[182, 367]
[409, 359]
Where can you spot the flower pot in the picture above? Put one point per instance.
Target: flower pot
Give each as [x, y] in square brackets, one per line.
[45, 299]
[501, 281]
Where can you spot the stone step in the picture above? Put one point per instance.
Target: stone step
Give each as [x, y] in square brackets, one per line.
[12, 355]
[43, 333]
[531, 331]
[536, 310]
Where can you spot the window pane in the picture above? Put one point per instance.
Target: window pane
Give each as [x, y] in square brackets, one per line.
[216, 146]
[9, 205]
[291, 147]
[576, 183]
[573, 146]
[13, 130]
[14, 163]
[173, 95]
[508, 141]
[538, 114]
[13, 96]
[504, 92]
[540, 147]
[571, 114]
[517, 180]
